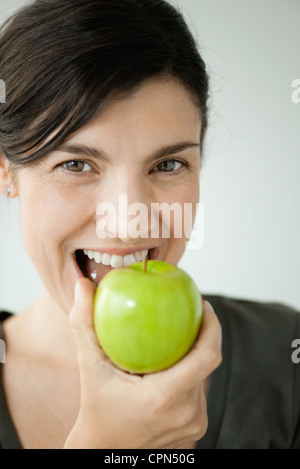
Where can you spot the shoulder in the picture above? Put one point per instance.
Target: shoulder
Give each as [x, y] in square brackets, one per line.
[245, 306]
[260, 372]
[260, 334]
[257, 321]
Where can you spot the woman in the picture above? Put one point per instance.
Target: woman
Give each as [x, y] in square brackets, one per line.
[106, 99]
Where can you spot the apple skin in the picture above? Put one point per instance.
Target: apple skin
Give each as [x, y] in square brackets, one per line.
[146, 321]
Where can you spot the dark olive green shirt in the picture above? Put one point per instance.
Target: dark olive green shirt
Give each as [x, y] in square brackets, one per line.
[254, 396]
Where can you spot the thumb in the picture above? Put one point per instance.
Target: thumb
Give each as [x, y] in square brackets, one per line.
[82, 325]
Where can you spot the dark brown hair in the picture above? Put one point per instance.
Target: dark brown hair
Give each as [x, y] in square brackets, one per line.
[64, 61]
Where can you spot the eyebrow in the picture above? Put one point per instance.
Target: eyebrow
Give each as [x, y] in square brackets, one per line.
[84, 150]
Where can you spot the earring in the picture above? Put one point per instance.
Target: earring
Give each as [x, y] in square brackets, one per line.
[8, 192]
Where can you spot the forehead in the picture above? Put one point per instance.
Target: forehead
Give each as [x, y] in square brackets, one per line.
[158, 111]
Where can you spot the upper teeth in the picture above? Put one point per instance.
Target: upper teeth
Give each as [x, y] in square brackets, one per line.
[116, 261]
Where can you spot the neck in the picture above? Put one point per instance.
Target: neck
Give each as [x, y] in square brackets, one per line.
[44, 330]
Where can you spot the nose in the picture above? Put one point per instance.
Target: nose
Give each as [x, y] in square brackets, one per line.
[125, 214]
[132, 220]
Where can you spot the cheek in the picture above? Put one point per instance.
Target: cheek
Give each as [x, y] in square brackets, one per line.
[181, 220]
[50, 216]
[176, 249]
[181, 209]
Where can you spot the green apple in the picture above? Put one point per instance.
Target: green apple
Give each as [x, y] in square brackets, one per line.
[147, 315]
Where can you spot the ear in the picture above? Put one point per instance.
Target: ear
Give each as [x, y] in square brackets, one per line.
[7, 180]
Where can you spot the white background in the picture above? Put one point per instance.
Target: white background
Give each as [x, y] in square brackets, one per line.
[251, 177]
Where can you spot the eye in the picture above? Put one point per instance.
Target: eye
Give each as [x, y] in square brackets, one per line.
[168, 166]
[76, 166]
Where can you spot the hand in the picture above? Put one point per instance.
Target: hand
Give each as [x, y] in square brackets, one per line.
[162, 410]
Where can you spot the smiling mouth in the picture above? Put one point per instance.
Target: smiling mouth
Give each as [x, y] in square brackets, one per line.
[94, 265]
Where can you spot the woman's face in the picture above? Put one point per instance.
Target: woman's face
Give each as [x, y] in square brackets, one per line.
[130, 150]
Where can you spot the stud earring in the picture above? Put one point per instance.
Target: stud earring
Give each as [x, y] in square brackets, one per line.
[8, 192]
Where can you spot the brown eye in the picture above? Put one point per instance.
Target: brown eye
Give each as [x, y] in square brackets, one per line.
[77, 166]
[168, 166]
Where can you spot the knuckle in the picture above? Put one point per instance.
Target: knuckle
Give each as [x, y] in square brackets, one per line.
[217, 359]
[199, 423]
[213, 358]
[195, 426]
[191, 413]
[199, 427]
